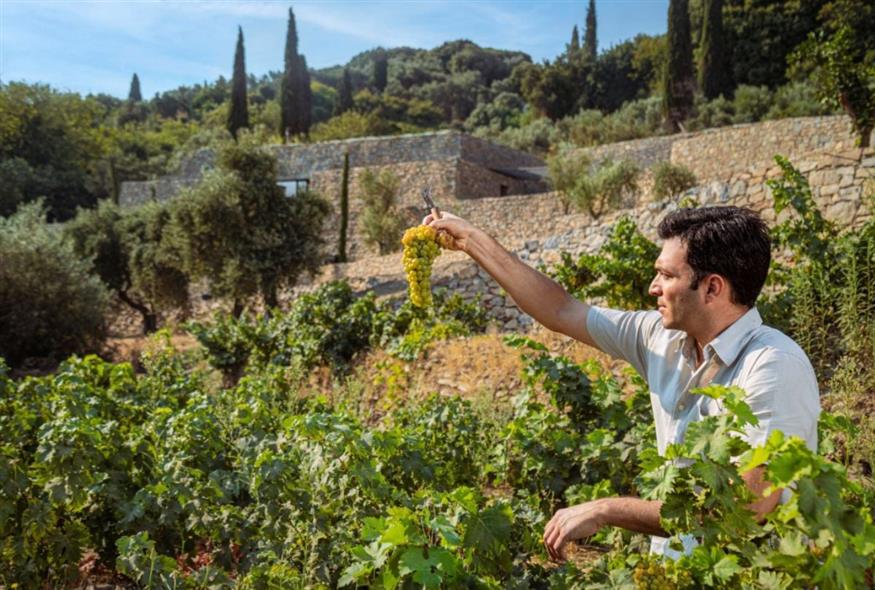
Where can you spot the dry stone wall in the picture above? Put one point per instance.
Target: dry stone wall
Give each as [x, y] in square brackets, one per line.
[716, 154]
[535, 229]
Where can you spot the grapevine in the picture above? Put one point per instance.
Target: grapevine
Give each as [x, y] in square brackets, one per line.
[422, 245]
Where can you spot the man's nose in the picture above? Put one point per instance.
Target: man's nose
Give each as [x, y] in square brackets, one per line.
[654, 288]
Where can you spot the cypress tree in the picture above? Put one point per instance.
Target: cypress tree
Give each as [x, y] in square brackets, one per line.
[288, 85]
[305, 97]
[238, 116]
[344, 94]
[679, 82]
[344, 209]
[134, 93]
[590, 45]
[381, 70]
[713, 69]
[574, 46]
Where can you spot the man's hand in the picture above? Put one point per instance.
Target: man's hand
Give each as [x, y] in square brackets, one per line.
[568, 524]
[455, 227]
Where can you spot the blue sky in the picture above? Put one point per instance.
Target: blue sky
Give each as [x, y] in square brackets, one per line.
[95, 46]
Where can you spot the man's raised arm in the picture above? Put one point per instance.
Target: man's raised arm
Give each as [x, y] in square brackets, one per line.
[535, 293]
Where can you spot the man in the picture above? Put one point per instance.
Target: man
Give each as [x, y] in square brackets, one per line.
[706, 329]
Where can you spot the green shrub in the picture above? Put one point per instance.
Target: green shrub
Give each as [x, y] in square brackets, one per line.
[381, 220]
[751, 103]
[592, 190]
[50, 303]
[797, 99]
[670, 180]
[536, 136]
[711, 113]
[619, 274]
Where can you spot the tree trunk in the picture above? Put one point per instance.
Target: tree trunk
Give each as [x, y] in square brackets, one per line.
[237, 310]
[270, 298]
[150, 318]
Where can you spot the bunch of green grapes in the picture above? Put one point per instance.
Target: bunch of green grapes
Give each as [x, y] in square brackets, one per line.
[421, 246]
[652, 574]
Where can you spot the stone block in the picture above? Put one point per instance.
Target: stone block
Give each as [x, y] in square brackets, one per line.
[851, 193]
[842, 212]
[828, 190]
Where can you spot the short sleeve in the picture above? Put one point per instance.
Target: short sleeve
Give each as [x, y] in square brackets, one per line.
[624, 335]
[782, 393]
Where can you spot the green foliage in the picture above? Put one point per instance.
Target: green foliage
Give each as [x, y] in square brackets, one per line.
[592, 189]
[714, 72]
[407, 331]
[824, 294]
[330, 326]
[670, 180]
[822, 536]
[296, 96]
[761, 35]
[50, 146]
[259, 486]
[238, 113]
[344, 94]
[344, 209]
[129, 254]
[381, 70]
[134, 94]
[348, 125]
[843, 73]
[751, 103]
[52, 305]
[679, 77]
[381, 221]
[619, 274]
[590, 45]
[237, 229]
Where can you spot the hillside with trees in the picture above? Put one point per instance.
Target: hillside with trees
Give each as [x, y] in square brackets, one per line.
[724, 62]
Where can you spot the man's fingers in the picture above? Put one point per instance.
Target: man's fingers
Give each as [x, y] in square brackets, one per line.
[553, 544]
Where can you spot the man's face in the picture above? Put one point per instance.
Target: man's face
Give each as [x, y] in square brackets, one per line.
[678, 304]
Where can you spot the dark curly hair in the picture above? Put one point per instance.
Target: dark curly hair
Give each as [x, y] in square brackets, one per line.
[732, 242]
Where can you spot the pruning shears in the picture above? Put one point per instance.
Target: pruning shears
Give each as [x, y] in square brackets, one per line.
[426, 196]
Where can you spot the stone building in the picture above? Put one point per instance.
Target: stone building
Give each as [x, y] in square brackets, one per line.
[456, 167]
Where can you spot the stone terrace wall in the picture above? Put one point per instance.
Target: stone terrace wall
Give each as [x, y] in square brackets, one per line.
[308, 160]
[304, 159]
[493, 155]
[439, 175]
[716, 154]
[534, 228]
[645, 152]
[475, 182]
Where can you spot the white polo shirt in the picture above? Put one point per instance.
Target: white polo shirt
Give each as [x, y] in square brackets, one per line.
[771, 368]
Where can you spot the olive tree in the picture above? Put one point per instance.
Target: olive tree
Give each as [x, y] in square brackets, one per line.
[127, 250]
[239, 231]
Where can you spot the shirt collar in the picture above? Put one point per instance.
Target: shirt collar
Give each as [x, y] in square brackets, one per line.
[728, 344]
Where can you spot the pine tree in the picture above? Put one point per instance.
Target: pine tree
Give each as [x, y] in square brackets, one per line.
[381, 70]
[344, 94]
[288, 86]
[590, 45]
[679, 81]
[238, 116]
[713, 70]
[574, 46]
[134, 93]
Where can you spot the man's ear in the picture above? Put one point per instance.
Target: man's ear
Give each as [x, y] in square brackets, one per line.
[715, 287]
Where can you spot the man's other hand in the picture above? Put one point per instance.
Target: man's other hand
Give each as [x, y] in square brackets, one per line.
[569, 524]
